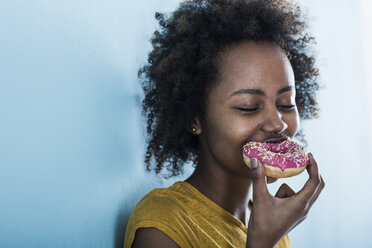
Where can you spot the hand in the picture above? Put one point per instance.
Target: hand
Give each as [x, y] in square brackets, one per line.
[272, 217]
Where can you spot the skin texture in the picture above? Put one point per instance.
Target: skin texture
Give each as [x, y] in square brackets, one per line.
[253, 100]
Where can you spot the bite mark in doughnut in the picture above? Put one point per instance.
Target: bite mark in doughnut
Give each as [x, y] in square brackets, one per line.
[284, 159]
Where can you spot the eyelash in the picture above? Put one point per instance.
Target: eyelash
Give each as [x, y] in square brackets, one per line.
[248, 109]
[287, 107]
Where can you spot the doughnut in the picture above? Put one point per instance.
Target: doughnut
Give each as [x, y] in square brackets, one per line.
[284, 159]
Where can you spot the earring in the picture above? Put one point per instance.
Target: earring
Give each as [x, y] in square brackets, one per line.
[194, 129]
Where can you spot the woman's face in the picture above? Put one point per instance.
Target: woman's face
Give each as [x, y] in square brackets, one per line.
[253, 100]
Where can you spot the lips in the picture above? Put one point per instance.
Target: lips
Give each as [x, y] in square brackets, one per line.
[275, 140]
[270, 139]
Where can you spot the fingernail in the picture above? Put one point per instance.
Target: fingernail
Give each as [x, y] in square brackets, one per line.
[254, 163]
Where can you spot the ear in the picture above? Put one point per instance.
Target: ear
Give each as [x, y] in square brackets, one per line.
[196, 127]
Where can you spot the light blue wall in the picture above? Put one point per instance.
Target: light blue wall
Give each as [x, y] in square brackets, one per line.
[341, 138]
[72, 140]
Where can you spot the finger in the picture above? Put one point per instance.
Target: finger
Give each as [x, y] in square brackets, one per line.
[258, 179]
[318, 191]
[312, 184]
[284, 191]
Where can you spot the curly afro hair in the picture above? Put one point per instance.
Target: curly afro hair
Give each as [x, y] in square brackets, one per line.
[182, 67]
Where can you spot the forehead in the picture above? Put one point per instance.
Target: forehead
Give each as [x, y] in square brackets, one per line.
[252, 65]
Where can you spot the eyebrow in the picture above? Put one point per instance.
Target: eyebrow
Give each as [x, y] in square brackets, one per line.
[259, 92]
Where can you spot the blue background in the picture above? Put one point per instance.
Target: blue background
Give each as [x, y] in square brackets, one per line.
[72, 134]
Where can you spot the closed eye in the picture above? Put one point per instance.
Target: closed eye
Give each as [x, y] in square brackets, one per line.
[247, 109]
[287, 106]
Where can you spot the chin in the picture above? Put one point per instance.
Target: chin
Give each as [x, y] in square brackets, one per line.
[271, 179]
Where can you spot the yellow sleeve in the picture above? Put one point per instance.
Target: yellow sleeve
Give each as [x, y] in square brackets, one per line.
[161, 213]
[284, 243]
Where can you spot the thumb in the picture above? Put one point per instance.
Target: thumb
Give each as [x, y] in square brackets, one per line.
[258, 179]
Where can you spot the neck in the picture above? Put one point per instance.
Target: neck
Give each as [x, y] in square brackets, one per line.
[226, 189]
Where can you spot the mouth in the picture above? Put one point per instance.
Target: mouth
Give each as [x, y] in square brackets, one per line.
[272, 139]
[275, 140]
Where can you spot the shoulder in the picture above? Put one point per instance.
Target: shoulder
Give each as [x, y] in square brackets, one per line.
[154, 219]
[152, 237]
[160, 203]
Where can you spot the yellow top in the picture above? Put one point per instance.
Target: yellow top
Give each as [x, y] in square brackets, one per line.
[189, 218]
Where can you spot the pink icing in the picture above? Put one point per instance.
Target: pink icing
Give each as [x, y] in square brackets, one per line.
[287, 154]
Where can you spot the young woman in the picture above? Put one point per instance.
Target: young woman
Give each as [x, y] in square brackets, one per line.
[223, 73]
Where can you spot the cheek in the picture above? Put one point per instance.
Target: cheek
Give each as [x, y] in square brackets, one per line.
[245, 130]
[293, 122]
[221, 143]
[225, 138]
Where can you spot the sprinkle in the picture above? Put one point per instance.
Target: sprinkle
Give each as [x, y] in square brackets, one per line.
[286, 154]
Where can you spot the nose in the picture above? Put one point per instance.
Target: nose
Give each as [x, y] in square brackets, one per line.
[273, 122]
